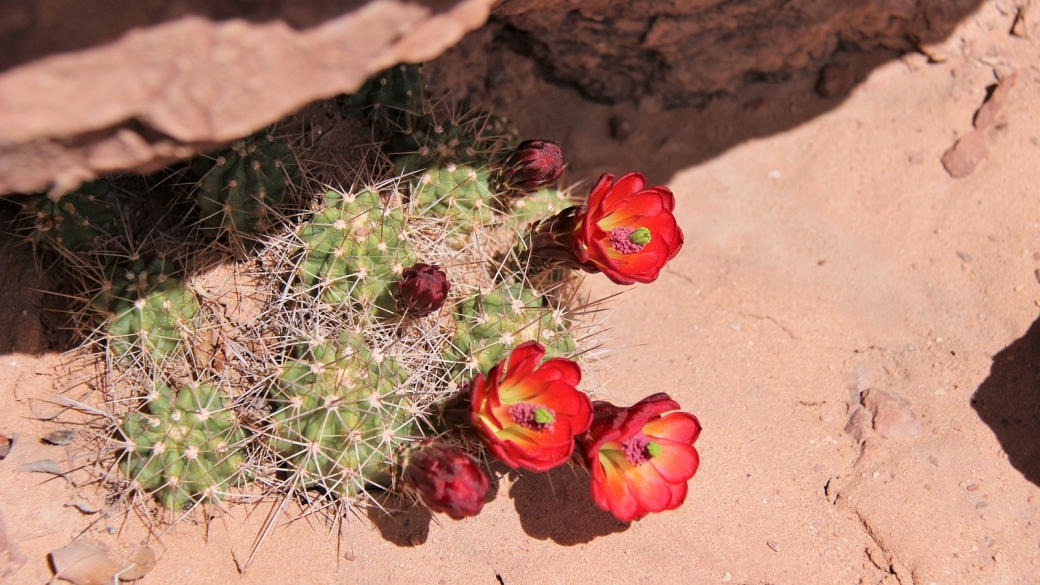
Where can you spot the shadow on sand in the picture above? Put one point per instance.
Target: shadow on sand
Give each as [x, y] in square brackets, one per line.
[1008, 401]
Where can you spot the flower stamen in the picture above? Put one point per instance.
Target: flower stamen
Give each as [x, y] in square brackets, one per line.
[628, 240]
[532, 417]
[638, 449]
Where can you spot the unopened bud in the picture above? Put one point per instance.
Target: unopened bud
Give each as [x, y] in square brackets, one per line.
[534, 164]
[422, 289]
[446, 479]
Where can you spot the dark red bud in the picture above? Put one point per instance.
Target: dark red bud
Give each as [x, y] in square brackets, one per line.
[422, 289]
[534, 164]
[446, 479]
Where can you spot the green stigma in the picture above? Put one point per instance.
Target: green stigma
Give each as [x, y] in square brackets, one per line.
[542, 416]
[654, 449]
[640, 237]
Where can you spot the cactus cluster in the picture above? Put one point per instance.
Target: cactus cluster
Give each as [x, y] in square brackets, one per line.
[372, 306]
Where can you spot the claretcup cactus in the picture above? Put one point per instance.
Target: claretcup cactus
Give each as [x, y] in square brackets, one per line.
[352, 340]
[240, 187]
[185, 447]
[340, 417]
[72, 221]
[354, 250]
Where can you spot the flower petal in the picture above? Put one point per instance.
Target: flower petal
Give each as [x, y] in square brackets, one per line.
[648, 487]
[680, 427]
[677, 462]
[612, 493]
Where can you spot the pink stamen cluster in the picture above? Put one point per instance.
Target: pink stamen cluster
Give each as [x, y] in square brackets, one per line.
[634, 449]
[523, 415]
[618, 239]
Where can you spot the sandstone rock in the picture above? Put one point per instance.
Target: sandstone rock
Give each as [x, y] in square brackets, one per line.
[893, 418]
[688, 50]
[965, 154]
[137, 97]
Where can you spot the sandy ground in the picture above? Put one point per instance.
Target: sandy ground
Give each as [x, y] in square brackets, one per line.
[829, 256]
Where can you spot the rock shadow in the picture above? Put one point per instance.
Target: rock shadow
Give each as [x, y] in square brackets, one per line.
[1008, 401]
[31, 321]
[556, 505]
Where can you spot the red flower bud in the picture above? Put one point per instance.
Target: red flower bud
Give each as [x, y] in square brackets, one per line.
[534, 164]
[446, 479]
[422, 289]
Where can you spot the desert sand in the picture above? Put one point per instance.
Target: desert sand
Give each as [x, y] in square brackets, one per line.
[831, 264]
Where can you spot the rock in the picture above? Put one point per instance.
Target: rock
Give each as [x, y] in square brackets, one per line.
[893, 418]
[687, 50]
[876, 415]
[965, 154]
[81, 95]
[985, 115]
[835, 80]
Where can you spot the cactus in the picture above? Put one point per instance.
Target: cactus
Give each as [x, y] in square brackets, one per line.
[392, 97]
[188, 448]
[73, 221]
[353, 250]
[240, 186]
[127, 282]
[339, 417]
[536, 206]
[145, 308]
[460, 193]
[488, 325]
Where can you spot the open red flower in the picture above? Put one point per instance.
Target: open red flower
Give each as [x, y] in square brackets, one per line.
[528, 414]
[628, 231]
[640, 457]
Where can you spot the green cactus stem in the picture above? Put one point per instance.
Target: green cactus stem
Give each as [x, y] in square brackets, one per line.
[340, 417]
[185, 448]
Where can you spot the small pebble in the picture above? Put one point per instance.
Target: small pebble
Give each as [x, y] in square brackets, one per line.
[773, 545]
[981, 506]
[727, 577]
[63, 437]
[736, 326]
[964, 256]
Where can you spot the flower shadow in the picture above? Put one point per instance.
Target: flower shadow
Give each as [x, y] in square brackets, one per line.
[406, 522]
[400, 520]
[556, 505]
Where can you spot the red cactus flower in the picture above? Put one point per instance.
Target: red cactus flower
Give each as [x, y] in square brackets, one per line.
[446, 480]
[527, 414]
[422, 289]
[628, 231]
[534, 164]
[640, 458]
